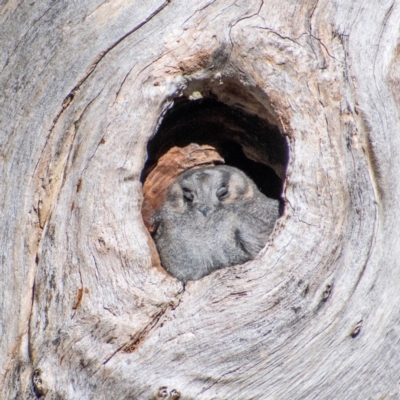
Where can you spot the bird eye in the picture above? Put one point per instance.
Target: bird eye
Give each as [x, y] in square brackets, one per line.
[187, 195]
[222, 193]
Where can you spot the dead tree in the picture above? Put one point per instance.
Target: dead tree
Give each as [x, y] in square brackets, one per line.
[307, 90]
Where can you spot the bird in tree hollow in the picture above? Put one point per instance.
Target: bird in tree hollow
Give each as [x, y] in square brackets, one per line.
[212, 218]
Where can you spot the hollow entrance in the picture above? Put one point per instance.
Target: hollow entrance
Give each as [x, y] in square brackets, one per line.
[245, 141]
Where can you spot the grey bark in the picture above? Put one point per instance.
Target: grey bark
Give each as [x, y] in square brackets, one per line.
[85, 315]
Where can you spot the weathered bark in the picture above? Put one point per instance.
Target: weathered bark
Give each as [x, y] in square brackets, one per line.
[84, 313]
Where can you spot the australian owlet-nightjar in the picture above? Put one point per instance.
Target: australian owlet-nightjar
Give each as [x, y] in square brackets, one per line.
[212, 217]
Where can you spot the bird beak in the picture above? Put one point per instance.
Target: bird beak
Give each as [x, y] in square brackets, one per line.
[204, 209]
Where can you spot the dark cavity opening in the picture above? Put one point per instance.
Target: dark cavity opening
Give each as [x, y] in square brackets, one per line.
[245, 141]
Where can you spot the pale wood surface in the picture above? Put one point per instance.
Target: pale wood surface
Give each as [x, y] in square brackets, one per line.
[83, 311]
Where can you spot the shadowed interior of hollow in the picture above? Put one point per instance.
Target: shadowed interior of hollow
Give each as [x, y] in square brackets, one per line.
[229, 130]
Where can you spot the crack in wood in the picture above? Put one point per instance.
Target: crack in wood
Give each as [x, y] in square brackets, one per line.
[131, 346]
[279, 35]
[102, 54]
[233, 25]
[323, 45]
[68, 99]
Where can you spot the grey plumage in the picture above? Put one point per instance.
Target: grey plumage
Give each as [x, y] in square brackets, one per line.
[212, 218]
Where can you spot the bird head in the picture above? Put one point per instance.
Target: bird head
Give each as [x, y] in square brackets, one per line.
[204, 190]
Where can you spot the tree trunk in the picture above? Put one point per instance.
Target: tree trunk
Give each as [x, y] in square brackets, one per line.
[85, 313]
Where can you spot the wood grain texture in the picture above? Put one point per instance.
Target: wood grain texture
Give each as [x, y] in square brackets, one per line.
[84, 310]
